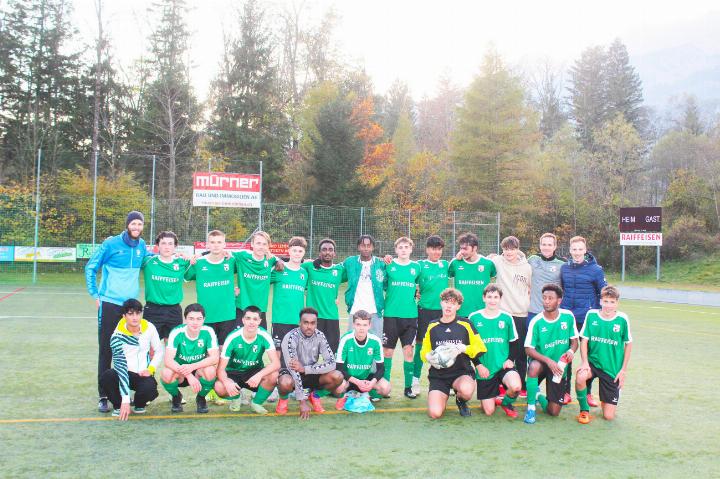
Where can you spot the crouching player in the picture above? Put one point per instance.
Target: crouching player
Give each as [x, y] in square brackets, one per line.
[550, 344]
[241, 362]
[308, 362]
[460, 375]
[497, 330]
[358, 352]
[605, 346]
[191, 357]
[130, 344]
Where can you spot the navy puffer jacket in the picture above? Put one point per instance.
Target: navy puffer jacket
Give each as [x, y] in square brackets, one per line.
[582, 283]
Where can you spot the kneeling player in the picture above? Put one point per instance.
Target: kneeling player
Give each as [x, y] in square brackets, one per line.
[497, 330]
[605, 346]
[191, 357]
[551, 343]
[358, 352]
[450, 330]
[241, 362]
[308, 362]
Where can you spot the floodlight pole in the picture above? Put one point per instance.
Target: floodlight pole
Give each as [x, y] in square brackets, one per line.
[261, 188]
[152, 201]
[37, 215]
[207, 210]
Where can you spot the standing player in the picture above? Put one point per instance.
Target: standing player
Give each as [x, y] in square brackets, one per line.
[583, 279]
[119, 259]
[514, 276]
[496, 368]
[163, 274]
[605, 347]
[308, 362]
[451, 330]
[253, 270]
[131, 343]
[191, 357]
[552, 338]
[289, 291]
[324, 279]
[472, 272]
[401, 312]
[241, 363]
[360, 360]
[366, 277]
[433, 280]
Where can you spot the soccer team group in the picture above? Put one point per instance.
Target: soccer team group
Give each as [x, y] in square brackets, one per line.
[497, 339]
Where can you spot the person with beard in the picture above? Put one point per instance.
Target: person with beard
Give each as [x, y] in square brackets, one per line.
[119, 259]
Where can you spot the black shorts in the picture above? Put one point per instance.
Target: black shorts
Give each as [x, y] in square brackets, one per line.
[164, 317]
[223, 328]
[331, 329]
[609, 389]
[490, 388]
[403, 329]
[444, 385]
[239, 313]
[555, 391]
[425, 317]
[309, 381]
[242, 377]
[279, 331]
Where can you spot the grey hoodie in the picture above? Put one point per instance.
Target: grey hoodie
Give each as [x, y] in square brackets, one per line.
[544, 271]
[514, 279]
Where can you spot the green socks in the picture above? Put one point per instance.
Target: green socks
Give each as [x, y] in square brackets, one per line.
[408, 370]
[582, 399]
[321, 393]
[388, 368]
[261, 395]
[207, 385]
[417, 360]
[375, 394]
[507, 400]
[171, 388]
[532, 390]
[543, 401]
[284, 396]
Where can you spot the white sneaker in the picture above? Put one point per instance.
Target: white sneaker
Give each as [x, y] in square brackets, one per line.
[273, 396]
[246, 396]
[416, 386]
[236, 405]
[258, 409]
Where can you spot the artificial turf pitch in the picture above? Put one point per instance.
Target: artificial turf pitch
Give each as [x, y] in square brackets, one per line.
[666, 424]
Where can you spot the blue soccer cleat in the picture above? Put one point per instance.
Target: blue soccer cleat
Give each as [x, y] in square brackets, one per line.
[530, 417]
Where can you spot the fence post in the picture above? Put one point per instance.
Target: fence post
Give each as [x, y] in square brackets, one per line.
[152, 202]
[362, 212]
[498, 233]
[94, 220]
[453, 240]
[408, 235]
[37, 215]
[310, 246]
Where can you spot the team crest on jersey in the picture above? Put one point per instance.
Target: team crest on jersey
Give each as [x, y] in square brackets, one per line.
[563, 325]
[616, 328]
[266, 264]
[380, 276]
[441, 263]
[226, 267]
[176, 267]
[393, 268]
[412, 271]
[501, 324]
[334, 272]
[370, 351]
[481, 268]
[254, 348]
[201, 343]
[302, 277]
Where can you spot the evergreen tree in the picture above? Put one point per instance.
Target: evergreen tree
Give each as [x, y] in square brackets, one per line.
[588, 93]
[624, 88]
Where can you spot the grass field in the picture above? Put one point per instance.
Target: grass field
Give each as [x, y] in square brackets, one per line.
[666, 424]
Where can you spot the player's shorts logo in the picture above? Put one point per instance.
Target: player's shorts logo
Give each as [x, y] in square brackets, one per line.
[616, 328]
[501, 324]
[563, 325]
[226, 267]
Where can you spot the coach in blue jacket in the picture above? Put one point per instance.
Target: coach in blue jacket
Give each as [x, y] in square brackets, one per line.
[119, 259]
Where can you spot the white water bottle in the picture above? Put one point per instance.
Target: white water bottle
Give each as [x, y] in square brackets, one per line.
[562, 364]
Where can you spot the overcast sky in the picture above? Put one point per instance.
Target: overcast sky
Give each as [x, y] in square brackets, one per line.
[417, 41]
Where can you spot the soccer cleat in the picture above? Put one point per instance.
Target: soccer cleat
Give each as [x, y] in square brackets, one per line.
[246, 396]
[416, 386]
[340, 403]
[236, 405]
[523, 393]
[282, 407]
[115, 413]
[212, 396]
[584, 417]
[498, 400]
[567, 399]
[409, 393]
[501, 394]
[258, 409]
[591, 401]
[463, 407]
[529, 416]
[103, 405]
[316, 403]
[510, 411]
[273, 396]
[139, 410]
[201, 404]
[177, 403]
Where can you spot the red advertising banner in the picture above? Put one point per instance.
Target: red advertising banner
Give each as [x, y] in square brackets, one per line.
[279, 249]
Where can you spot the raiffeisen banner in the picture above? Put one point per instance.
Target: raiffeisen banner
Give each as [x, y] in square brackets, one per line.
[229, 190]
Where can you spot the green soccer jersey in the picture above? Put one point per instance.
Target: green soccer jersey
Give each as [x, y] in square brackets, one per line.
[164, 281]
[288, 295]
[359, 359]
[191, 350]
[323, 287]
[471, 280]
[606, 340]
[215, 286]
[551, 338]
[433, 281]
[243, 354]
[497, 333]
[401, 281]
[253, 280]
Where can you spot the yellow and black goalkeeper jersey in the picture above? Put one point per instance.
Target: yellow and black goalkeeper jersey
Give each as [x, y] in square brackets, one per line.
[458, 331]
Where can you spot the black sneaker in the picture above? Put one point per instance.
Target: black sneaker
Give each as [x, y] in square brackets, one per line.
[463, 407]
[201, 402]
[410, 394]
[103, 405]
[177, 403]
